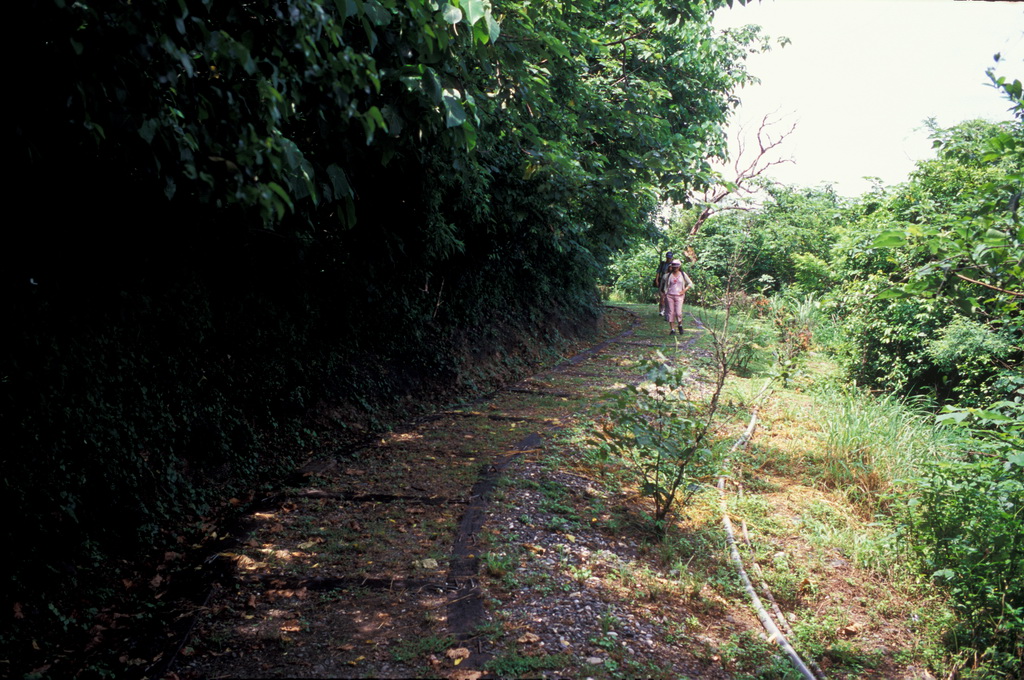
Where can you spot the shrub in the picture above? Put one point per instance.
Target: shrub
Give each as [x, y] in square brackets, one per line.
[966, 523]
[886, 346]
[970, 353]
[967, 528]
[632, 273]
[660, 435]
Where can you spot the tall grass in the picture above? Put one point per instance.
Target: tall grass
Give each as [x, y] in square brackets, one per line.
[871, 443]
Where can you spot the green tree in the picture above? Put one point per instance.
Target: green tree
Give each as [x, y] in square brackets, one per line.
[933, 296]
[961, 215]
[778, 243]
[925, 256]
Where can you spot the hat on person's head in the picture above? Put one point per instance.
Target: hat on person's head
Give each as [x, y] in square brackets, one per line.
[668, 254]
[676, 262]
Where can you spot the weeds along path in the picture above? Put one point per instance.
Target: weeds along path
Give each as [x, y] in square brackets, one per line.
[484, 541]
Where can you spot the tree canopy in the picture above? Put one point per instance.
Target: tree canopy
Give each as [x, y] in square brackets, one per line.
[304, 116]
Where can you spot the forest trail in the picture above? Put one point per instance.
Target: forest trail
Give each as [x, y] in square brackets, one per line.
[482, 541]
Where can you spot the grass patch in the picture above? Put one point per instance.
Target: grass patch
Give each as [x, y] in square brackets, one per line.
[412, 650]
[514, 665]
[750, 657]
[869, 443]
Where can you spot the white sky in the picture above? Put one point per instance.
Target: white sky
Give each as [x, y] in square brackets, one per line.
[861, 76]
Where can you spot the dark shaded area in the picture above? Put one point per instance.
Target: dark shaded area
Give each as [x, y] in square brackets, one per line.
[260, 231]
[466, 610]
[132, 411]
[165, 354]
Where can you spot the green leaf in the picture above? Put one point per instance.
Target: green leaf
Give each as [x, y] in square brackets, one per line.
[377, 117]
[470, 134]
[455, 115]
[432, 86]
[890, 294]
[475, 10]
[148, 129]
[306, 187]
[480, 33]
[339, 181]
[279, 190]
[493, 29]
[890, 239]
[377, 14]
[558, 47]
[993, 416]
[273, 92]
[956, 415]
[451, 14]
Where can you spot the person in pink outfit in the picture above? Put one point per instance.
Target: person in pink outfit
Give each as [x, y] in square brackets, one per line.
[674, 285]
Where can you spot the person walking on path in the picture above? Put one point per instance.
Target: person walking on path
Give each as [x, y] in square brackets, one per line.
[659, 279]
[674, 285]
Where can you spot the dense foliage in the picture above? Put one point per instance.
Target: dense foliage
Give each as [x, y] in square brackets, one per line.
[952, 238]
[923, 278]
[254, 222]
[921, 285]
[785, 246]
[966, 528]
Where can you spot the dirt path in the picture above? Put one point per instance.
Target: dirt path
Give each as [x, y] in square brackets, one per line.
[483, 542]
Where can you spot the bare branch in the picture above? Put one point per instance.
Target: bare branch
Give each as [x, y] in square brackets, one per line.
[988, 285]
[744, 170]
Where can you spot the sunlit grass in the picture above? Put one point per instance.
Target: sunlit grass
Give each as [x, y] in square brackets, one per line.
[870, 443]
[842, 439]
[807, 490]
